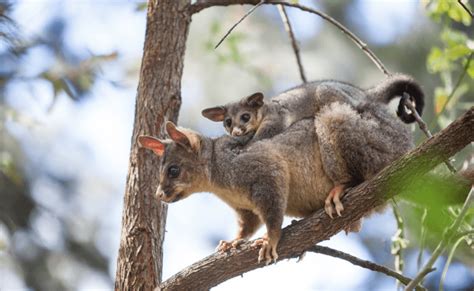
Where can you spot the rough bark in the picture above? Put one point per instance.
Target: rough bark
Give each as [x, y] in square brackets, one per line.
[139, 264]
[360, 201]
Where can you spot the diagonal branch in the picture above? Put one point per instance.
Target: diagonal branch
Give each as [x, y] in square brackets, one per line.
[203, 4]
[466, 8]
[238, 22]
[294, 43]
[362, 263]
[360, 201]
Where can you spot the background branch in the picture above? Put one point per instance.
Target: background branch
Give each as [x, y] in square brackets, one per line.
[238, 22]
[465, 8]
[202, 4]
[362, 263]
[294, 43]
[360, 201]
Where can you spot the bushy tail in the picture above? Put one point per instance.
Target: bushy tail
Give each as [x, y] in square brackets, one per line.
[394, 86]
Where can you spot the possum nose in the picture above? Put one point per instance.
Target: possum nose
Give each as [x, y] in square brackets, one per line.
[159, 192]
[237, 131]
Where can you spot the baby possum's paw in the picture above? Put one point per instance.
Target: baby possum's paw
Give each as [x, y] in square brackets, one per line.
[333, 204]
[225, 246]
[267, 251]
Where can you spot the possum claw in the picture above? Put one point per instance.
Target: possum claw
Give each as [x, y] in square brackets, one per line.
[267, 252]
[225, 246]
[334, 198]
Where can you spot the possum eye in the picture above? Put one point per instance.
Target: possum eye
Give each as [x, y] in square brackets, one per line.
[245, 117]
[228, 122]
[173, 172]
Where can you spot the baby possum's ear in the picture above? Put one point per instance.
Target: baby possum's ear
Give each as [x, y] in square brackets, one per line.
[255, 100]
[184, 137]
[151, 143]
[214, 113]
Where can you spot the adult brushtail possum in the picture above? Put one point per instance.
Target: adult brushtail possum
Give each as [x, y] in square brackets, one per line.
[282, 175]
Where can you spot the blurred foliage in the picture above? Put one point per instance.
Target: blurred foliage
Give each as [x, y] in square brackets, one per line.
[451, 59]
[69, 75]
[229, 53]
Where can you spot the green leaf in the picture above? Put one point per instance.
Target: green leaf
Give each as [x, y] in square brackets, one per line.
[453, 38]
[457, 52]
[437, 61]
[449, 8]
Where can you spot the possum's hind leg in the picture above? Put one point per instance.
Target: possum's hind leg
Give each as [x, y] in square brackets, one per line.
[357, 142]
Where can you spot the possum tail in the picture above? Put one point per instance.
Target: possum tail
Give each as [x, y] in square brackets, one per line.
[394, 86]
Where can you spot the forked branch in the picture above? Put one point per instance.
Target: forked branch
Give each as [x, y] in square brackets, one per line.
[302, 235]
[202, 4]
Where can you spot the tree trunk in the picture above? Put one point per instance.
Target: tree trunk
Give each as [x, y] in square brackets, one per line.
[139, 263]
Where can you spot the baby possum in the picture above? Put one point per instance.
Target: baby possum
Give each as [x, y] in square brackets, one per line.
[252, 119]
[264, 119]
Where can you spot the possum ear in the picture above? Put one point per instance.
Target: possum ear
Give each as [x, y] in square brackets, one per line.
[255, 100]
[184, 137]
[151, 143]
[214, 113]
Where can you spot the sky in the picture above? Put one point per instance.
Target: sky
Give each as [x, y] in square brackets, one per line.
[91, 139]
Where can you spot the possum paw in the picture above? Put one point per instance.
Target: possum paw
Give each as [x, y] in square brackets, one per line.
[267, 250]
[225, 246]
[333, 204]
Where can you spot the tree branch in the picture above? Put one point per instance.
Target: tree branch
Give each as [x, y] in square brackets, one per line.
[294, 43]
[465, 8]
[358, 202]
[238, 22]
[362, 263]
[202, 4]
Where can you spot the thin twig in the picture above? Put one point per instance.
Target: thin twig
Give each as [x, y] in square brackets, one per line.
[455, 88]
[419, 260]
[448, 263]
[465, 8]
[448, 235]
[238, 22]
[465, 233]
[362, 263]
[202, 4]
[398, 242]
[422, 125]
[294, 43]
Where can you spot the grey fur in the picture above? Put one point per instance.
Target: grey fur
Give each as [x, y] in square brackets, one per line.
[272, 117]
[290, 173]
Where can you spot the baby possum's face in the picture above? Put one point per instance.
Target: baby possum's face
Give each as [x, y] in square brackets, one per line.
[240, 118]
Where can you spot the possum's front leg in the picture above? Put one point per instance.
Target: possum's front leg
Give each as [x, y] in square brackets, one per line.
[249, 222]
[271, 204]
